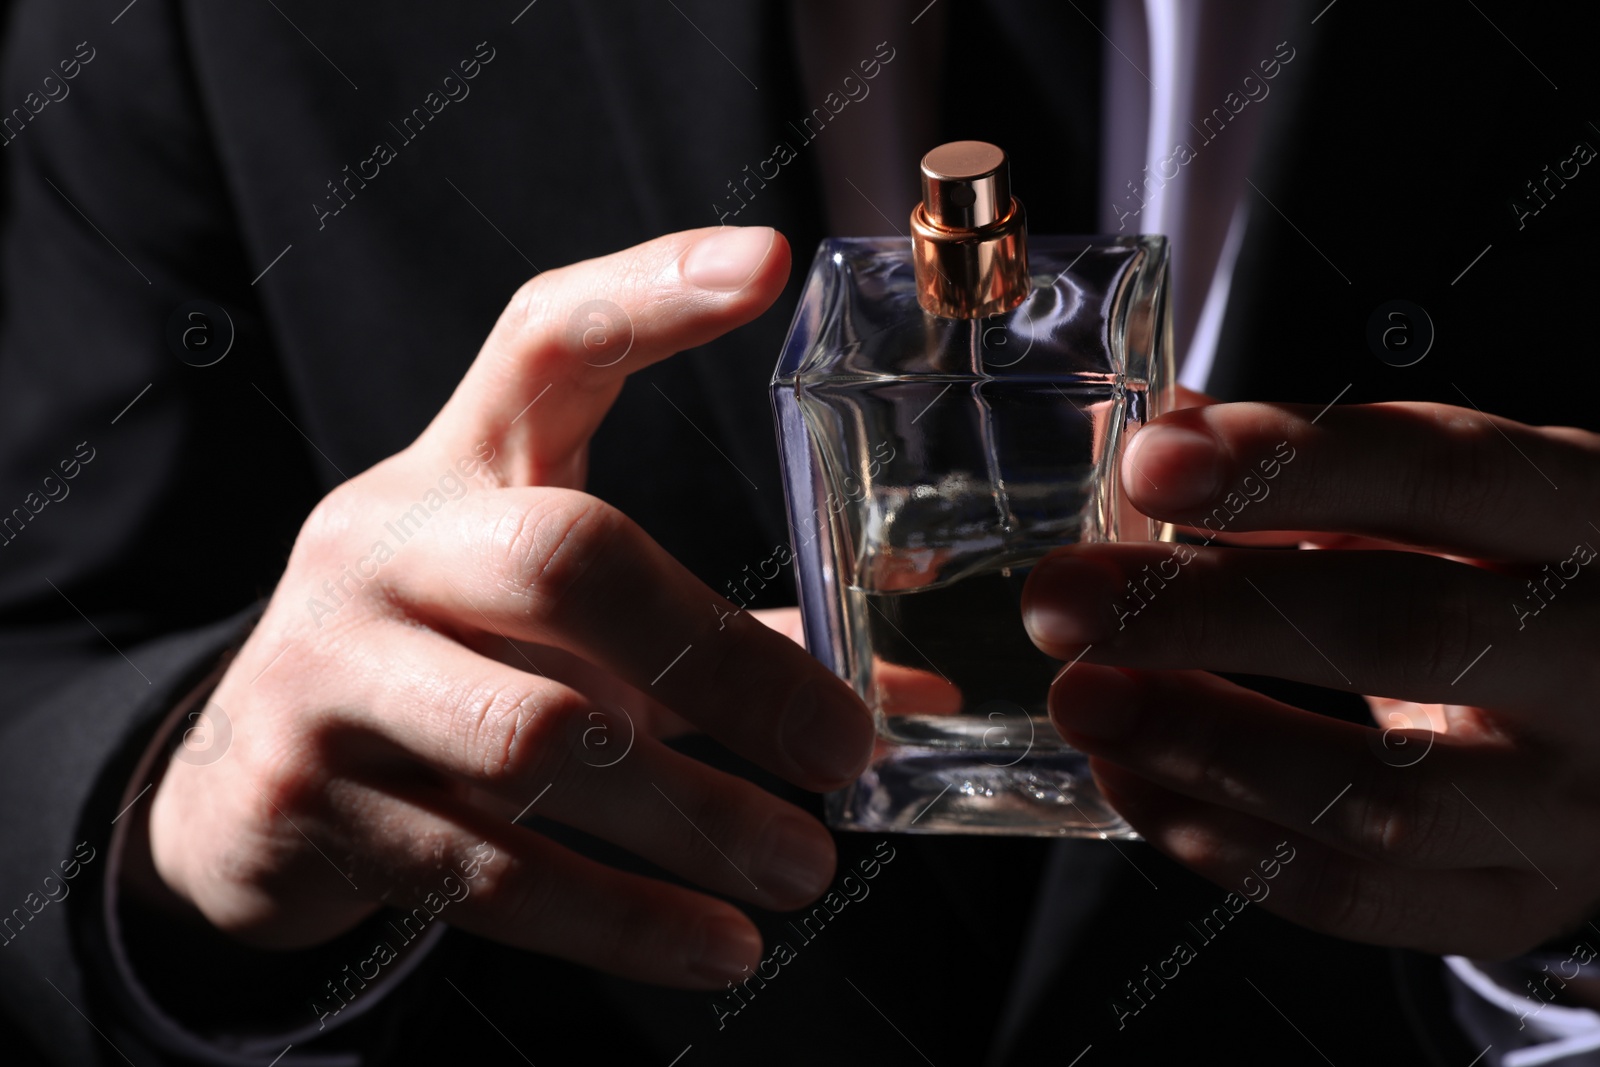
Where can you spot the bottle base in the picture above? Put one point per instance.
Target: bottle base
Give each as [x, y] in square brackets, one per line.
[921, 790]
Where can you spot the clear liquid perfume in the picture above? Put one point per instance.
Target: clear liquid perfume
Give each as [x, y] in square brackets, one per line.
[950, 408]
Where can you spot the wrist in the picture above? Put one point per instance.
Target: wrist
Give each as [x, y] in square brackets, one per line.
[156, 887]
[196, 987]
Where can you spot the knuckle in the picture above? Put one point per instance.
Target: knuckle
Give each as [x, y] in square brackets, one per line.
[506, 732]
[1401, 823]
[1454, 475]
[520, 894]
[327, 567]
[1210, 750]
[742, 667]
[1189, 624]
[736, 663]
[333, 517]
[1195, 632]
[528, 311]
[1432, 630]
[433, 848]
[291, 780]
[541, 552]
[612, 932]
[722, 831]
[556, 318]
[632, 931]
[640, 930]
[1334, 896]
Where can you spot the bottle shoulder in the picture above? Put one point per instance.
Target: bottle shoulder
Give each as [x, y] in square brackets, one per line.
[1092, 313]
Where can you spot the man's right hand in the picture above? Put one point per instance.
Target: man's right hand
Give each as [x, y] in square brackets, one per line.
[391, 712]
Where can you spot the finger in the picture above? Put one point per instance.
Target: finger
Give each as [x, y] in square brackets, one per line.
[898, 690]
[548, 748]
[1253, 539]
[1486, 913]
[598, 684]
[1459, 720]
[559, 567]
[1400, 624]
[1291, 539]
[785, 621]
[1182, 397]
[1400, 800]
[556, 358]
[444, 862]
[1429, 475]
[901, 690]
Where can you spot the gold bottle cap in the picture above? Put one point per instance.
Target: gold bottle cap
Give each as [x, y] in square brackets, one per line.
[969, 234]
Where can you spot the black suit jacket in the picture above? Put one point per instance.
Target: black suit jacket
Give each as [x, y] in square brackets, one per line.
[199, 153]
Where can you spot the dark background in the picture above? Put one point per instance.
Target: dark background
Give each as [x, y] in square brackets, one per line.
[198, 136]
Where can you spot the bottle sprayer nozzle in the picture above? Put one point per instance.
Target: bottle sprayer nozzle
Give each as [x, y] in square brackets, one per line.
[969, 234]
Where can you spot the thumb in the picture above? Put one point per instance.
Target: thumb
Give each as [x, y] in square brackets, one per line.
[557, 356]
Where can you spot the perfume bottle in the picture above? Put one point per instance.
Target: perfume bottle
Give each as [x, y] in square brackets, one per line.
[950, 408]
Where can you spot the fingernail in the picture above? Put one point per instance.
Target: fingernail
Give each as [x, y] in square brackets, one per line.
[1094, 702]
[799, 864]
[728, 948]
[827, 736]
[727, 259]
[1068, 602]
[1174, 468]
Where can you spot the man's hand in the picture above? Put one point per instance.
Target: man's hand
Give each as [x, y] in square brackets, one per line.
[461, 632]
[1469, 820]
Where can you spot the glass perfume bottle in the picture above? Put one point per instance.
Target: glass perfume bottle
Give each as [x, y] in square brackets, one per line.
[950, 408]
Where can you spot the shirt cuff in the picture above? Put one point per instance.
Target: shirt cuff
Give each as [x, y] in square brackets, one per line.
[326, 983]
[1520, 1030]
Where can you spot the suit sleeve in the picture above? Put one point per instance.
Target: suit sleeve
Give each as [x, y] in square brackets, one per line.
[151, 478]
